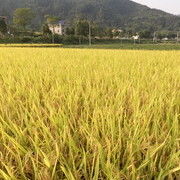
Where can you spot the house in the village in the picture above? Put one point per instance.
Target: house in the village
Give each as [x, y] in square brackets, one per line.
[136, 37]
[116, 33]
[119, 30]
[165, 39]
[4, 18]
[58, 28]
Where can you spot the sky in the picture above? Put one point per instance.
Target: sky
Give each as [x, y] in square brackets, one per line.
[171, 6]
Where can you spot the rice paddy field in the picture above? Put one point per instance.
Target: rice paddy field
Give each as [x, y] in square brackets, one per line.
[89, 114]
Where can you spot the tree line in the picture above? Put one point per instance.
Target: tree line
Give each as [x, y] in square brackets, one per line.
[78, 29]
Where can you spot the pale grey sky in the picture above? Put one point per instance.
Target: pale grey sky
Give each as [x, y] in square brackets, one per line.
[171, 6]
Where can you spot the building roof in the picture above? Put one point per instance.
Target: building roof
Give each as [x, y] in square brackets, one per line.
[62, 22]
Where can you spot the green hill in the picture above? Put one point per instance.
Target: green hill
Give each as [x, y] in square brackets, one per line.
[115, 13]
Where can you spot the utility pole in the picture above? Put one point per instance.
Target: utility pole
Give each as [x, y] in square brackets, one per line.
[177, 37]
[154, 37]
[76, 20]
[53, 39]
[90, 41]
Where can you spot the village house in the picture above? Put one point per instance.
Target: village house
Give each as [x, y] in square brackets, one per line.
[116, 33]
[5, 18]
[58, 28]
[117, 30]
[136, 37]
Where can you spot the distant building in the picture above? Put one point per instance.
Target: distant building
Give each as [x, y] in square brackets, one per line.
[4, 18]
[58, 28]
[116, 33]
[165, 39]
[117, 30]
[136, 37]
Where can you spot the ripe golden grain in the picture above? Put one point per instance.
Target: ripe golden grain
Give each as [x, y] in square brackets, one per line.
[89, 114]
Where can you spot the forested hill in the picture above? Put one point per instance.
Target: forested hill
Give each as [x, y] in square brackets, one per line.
[116, 13]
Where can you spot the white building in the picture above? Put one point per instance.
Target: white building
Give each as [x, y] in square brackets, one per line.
[58, 28]
[136, 37]
[165, 39]
[117, 31]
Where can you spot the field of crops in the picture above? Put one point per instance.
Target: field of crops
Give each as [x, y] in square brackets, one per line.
[31, 45]
[80, 114]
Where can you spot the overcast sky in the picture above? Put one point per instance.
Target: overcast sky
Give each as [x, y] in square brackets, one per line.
[171, 6]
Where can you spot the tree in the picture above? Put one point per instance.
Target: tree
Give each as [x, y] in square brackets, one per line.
[109, 13]
[23, 17]
[145, 34]
[82, 28]
[162, 34]
[3, 26]
[70, 31]
[46, 30]
[109, 33]
[97, 30]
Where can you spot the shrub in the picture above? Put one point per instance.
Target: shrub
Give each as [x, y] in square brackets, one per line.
[71, 39]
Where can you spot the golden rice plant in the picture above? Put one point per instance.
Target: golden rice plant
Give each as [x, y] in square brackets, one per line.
[89, 114]
[31, 45]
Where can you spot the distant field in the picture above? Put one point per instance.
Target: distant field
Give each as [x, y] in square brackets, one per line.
[129, 46]
[30, 45]
[126, 46]
[89, 114]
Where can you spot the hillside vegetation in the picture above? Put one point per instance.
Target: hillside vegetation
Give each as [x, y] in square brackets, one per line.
[116, 13]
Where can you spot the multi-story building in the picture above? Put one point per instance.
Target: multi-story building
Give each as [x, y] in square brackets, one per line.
[58, 28]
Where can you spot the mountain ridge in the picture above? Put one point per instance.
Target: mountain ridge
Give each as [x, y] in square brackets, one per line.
[112, 13]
